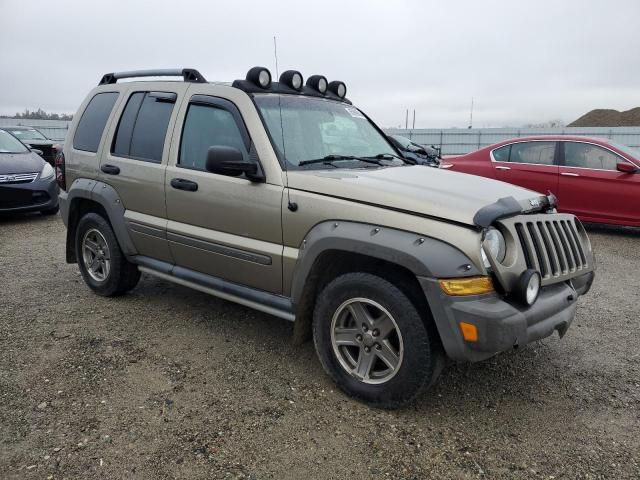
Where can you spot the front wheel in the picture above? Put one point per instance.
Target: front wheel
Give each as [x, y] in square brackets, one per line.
[102, 264]
[372, 340]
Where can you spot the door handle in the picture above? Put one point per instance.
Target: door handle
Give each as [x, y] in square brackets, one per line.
[110, 169]
[182, 184]
[498, 167]
[568, 174]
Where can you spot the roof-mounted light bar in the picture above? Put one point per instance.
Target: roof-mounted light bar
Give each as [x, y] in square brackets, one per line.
[258, 80]
[187, 74]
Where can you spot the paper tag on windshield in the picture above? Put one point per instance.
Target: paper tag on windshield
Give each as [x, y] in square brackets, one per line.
[354, 112]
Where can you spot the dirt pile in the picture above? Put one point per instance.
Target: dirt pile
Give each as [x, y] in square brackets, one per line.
[602, 117]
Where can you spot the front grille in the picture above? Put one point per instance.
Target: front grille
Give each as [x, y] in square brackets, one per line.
[552, 247]
[18, 178]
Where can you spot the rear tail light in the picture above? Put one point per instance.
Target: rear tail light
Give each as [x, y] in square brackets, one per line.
[60, 171]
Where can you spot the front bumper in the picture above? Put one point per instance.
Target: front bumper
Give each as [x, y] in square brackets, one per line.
[27, 197]
[502, 325]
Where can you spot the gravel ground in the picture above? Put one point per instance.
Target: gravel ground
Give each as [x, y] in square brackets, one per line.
[170, 383]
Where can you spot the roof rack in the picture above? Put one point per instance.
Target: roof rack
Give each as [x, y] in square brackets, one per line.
[188, 75]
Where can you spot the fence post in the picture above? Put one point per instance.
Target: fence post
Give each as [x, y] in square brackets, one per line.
[479, 139]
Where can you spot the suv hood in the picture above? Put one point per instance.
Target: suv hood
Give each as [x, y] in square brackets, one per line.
[20, 163]
[452, 196]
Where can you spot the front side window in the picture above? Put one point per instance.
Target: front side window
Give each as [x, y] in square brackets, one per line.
[10, 144]
[541, 153]
[143, 126]
[94, 118]
[204, 127]
[586, 155]
[305, 128]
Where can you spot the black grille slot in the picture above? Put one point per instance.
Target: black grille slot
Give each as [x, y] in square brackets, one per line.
[523, 243]
[563, 241]
[538, 250]
[557, 247]
[553, 259]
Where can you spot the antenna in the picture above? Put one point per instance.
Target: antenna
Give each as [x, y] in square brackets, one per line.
[292, 206]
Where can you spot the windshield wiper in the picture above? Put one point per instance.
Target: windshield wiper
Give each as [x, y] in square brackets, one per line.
[329, 159]
[389, 156]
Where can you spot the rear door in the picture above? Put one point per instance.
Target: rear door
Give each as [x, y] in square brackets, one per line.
[532, 165]
[592, 187]
[135, 160]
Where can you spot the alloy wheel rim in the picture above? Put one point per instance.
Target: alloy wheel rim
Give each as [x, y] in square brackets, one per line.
[367, 341]
[96, 255]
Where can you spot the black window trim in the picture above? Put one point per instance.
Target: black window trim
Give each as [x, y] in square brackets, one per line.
[160, 96]
[73, 143]
[222, 104]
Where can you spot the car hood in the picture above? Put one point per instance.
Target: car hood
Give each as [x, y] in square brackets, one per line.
[20, 163]
[39, 143]
[431, 192]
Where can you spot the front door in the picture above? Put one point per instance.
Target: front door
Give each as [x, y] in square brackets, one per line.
[228, 227]
[592, 188]
[530, 165]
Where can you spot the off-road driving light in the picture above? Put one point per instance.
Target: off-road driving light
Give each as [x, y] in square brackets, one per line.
[466, 286]
[528, 287]
[259, 76]
[493, 245]
[292, 79]
[318, 83]
[338, 88]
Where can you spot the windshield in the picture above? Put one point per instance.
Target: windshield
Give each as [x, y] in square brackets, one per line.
[632, 152]
[28, 134]
[10, 144]
[316, 128]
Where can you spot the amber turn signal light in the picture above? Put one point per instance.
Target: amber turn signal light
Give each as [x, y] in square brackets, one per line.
[466, 286]
[469, 331]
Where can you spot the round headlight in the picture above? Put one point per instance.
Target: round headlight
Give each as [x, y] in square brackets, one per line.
[494, 245]
[529, 285]
[338, 88]
[292, 79]
[259, 76]
[317, 83]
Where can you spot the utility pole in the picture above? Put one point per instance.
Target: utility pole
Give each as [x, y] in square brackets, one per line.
[406, 119]
[414, 119]
[471, 115]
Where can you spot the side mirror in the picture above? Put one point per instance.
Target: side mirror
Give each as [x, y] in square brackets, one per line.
[228, 161]
[626, 167]
[39, 152]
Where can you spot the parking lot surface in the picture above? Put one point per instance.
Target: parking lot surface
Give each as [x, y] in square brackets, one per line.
[167, 382]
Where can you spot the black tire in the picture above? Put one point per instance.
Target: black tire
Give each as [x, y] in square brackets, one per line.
[50, 211]
[122, 275]
[422, 358]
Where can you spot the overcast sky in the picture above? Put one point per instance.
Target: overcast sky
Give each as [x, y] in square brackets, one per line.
[523, 62]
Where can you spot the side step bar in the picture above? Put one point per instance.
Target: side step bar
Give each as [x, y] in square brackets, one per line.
[270, 303]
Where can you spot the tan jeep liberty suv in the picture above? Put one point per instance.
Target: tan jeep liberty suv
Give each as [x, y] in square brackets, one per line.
[284, 197]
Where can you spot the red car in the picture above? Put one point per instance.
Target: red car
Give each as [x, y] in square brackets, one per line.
[595, 179]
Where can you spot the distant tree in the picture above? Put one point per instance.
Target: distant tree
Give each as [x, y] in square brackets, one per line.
[548, 124]
[42, 115]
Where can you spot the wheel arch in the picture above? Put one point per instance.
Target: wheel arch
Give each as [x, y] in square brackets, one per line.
[85, 196]
[334, 248]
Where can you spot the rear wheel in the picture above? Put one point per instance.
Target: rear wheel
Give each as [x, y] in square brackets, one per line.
[102, 264]
[372, 341]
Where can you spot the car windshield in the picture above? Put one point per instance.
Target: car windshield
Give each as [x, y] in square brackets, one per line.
[311, 130]
[632, 152]
[28, 134]
[10, 144]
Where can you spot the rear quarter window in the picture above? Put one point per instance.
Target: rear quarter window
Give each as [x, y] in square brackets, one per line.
[94, 118]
